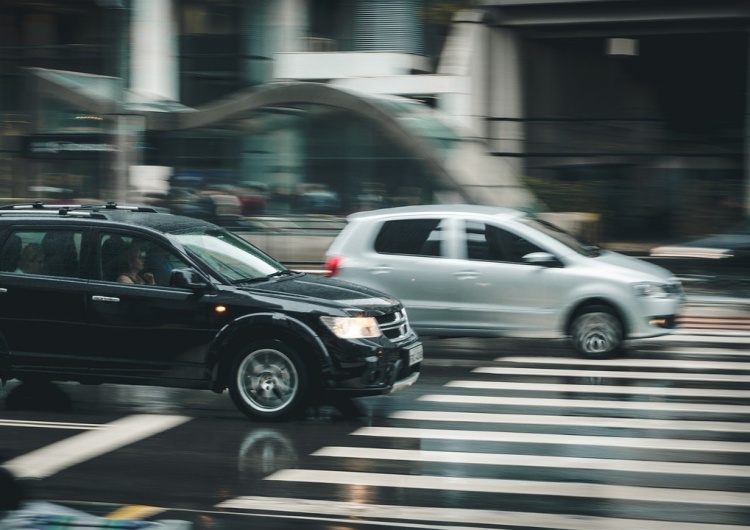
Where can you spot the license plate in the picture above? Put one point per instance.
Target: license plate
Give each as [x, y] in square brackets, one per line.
[416, 354]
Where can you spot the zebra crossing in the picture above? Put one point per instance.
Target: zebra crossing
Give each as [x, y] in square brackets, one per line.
[656, 441]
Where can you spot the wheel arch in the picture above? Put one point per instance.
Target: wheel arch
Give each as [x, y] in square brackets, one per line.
[576, 309]
[265, 326]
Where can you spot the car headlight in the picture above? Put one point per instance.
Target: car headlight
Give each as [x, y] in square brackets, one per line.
[651, 289]
[352, 327]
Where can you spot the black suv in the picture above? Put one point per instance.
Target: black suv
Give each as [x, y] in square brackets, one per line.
[129, 295]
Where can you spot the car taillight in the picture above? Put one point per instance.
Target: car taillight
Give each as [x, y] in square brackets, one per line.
[333, 265]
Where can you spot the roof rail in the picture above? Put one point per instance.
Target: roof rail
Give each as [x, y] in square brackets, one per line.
[64, 209]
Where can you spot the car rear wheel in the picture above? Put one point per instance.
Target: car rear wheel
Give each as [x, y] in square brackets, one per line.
[596, 332]
[268, 381]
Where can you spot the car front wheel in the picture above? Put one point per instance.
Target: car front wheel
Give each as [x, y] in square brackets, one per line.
[268, 381]
[596, 332]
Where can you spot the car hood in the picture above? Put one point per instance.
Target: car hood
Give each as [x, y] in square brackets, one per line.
[630, 266]
[328, 290]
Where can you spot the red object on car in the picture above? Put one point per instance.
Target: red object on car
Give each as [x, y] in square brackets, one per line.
[333, 265]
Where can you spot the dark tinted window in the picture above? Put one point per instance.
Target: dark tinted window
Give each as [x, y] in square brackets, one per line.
[412, 237]
[569, 240]
[44, 252]
[142, 261]
[489, 243]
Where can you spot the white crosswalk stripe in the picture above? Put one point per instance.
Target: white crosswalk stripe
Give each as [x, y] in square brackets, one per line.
[666, 376]
[682, 364]
[603, 389]
[577, 421]
[605, 464]
[668, 444]
[590, 403]
[656, 442]
[444, 518]
[516, 487]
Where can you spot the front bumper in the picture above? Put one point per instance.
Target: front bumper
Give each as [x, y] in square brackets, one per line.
[657, 317]
[383, 372]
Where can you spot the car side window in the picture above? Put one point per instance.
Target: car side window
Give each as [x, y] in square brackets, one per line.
[132, 260]
[43, 252]
[411, 237]
[486, 242]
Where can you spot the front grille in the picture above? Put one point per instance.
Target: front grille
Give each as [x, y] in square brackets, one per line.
[395, 326]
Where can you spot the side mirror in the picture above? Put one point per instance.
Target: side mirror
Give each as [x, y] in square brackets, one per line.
[189, 279]
[544, 259]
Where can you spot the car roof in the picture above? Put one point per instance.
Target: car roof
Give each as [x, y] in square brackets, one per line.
[439, 209]
[139, 216]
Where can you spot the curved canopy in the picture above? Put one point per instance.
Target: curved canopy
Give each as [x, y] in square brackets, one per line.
[458, 164]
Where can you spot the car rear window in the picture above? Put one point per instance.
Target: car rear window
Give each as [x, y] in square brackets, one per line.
[411, 237]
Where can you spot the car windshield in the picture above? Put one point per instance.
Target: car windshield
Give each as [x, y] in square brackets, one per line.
[569, 240]
[229, 255]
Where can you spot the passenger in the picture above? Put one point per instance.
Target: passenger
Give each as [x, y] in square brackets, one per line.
[31, 260]
[133, 269]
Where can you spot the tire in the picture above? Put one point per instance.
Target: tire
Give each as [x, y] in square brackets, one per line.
[596, 332]
[268, 381]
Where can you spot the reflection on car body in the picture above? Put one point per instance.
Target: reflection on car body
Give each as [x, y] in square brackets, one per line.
[221, 314]
[478, 271]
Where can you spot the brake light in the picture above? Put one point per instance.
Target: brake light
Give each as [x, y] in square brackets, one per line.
[333, 265]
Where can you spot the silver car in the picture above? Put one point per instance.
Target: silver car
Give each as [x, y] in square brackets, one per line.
[479, 271]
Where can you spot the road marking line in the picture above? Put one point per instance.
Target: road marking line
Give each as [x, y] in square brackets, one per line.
[560, 462]
[724, 352]
[589, 404]
[716, 336]
[516, 487]
[673, 364]
[85, 446]
[612, 374]
[562, 439]
[572, 421]
[376, 513]
[51, 424]
[602, 389]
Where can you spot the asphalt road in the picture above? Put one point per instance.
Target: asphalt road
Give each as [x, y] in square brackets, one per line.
[496, 434]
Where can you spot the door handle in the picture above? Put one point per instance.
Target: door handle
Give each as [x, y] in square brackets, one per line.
[3, 290]
[97, 298]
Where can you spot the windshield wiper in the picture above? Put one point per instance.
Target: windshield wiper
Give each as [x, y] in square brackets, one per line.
[250, 280]
[285, 272]
[276, 274]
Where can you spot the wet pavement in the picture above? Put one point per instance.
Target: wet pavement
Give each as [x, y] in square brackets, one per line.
[497, 434]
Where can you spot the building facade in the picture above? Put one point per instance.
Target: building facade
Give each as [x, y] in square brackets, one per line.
[633, 110]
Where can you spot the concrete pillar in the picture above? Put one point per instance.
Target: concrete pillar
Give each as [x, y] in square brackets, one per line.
[464, 60]
[504, 96]
[153, 62]
[289, 23]
[746, 158]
